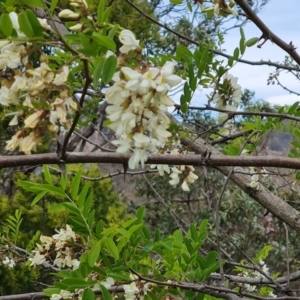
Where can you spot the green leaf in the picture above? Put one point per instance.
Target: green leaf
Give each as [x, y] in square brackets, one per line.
[6, 24]
[25, 24]
[236, 53]
[252, 42]
[98, 73]
[100, 11]
[140, 214]
[75, 184]
[33, 3]
[50, 291]
[82, 195]
[38, 197]
[63, 181]
[176, 2]
[113, 31]
[88, 294]
[211, 257]
[242, 46]
[193, 231]
[88, 204]
[109, 69]
[36, 26]
[178, 235]
[77, 283]
[93, 254]
[230, 61]
[242, 33]
[112, 248]
[293, 108]
[105, 293]
[183, 53]
[56, 207]
[71, 207]
[189, 6]
[53, 5]
[183, 104]
[47, 174]
[49, 188]
[105, 41]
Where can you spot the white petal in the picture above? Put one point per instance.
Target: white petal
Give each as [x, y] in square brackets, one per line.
[185, 186]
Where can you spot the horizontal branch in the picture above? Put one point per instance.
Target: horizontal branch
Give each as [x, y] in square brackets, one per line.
[158, 159]
[244, 113]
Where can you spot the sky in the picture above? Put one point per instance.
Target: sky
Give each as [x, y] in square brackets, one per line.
[282, 17]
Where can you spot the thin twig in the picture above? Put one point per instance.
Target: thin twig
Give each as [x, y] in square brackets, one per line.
[253, 63]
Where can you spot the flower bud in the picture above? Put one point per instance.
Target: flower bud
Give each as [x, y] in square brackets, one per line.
[77, 27]
[68, 14]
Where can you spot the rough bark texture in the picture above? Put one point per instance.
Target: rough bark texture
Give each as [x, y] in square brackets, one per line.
[271, 202]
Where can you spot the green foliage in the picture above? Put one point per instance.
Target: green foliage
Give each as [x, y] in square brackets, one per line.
[105, 202]
[20, 279]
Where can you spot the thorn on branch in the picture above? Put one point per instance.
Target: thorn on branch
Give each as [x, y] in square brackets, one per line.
[264, 37]
[292, 46]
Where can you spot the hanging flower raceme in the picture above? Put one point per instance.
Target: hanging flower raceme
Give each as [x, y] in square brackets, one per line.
[227, 93]
[137, 111]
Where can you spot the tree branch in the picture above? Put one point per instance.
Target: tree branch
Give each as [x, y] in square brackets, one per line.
[267, 33]
[217, 52]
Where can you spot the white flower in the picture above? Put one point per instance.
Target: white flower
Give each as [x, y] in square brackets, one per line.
[55, 297]
[38, 259]
[14, 121]
[185, 186]
[62, 77]
[44, 24]
[9, 262]
[32, 120]
[66, 294]
[250, 288]
[75, 263]
[13, 143]
[65, 235]
[130, 290]
[77, 27]
[167, 79]
[47, 241]
[10, 59]
[28, 144]
[227, 94]
[15, 23]
[161, 169]
[68, 14]
[108, 283]
[4, 43]
[128, 40]
[139, 156]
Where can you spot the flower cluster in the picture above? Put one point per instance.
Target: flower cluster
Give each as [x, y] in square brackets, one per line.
[184, 173]
[227, 94]
[256, 274]
[220, 7]
[256, 172]
[26, 86]
[138, 103]
[81, 7]
[136, 289]
[58, 249]
[9, 262]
